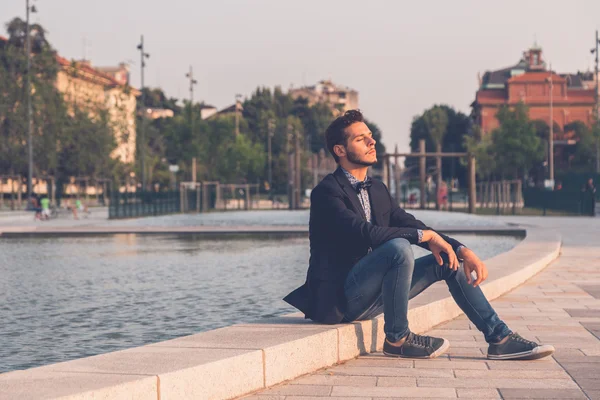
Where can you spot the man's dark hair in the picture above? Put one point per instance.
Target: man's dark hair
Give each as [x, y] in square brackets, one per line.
[336, 132]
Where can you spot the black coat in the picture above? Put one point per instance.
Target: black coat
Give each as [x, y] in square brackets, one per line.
[340, 236]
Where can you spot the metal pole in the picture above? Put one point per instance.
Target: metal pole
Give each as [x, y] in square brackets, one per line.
[472, 185]
[237, 116]
[143, 129]
[29, 112]
[270, 133]
[438, 182]
[551, 138]
[597, 110]
[190, 75]
[422, 172]
[298, 171]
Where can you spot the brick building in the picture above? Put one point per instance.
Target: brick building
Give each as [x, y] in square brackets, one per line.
[529, 81]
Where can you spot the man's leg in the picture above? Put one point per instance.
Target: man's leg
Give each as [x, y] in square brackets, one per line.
[381, 281]
[367, 296]
[470, 299]
[503, 343]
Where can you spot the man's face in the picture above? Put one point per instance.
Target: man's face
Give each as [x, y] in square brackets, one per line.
[360, 147]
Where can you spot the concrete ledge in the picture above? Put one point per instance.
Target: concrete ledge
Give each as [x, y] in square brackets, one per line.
[221, 232]
[232, 361]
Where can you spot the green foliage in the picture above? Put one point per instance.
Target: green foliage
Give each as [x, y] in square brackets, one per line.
[582, 156]
[483, 150]
[67, 140]
[457, 128]
[517, 147]
[436, 122]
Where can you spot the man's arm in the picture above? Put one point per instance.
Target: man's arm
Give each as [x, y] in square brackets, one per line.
[400, 218]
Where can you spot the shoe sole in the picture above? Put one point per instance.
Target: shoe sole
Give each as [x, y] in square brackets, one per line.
[535, 354]
[443, 348]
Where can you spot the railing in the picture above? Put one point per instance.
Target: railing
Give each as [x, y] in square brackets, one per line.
[143, 204]
[574, 202]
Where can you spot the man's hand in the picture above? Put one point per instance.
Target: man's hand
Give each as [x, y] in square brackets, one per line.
[473, 263]
[438, 245]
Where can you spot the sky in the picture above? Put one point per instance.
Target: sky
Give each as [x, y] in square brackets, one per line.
[401, 56]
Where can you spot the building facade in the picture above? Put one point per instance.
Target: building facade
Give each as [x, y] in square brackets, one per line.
[531, 81]
[88, 87]
[339, 98]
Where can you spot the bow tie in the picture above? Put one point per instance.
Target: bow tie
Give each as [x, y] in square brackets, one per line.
[363, 185]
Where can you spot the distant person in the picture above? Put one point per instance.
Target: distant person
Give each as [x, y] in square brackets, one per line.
[442, 196]
[45, 202]
[589, 191]
[412, 199]
[558, 185]
[362, 263]
[36, 207]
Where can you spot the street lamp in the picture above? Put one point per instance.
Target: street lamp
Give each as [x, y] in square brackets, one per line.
[190, 76]
[270, 133]
[29, 110]
[595, 50]
[551, 136]
[237, 116]
[143, 56]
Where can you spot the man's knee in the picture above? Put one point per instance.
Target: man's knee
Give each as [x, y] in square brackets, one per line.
[401, 249]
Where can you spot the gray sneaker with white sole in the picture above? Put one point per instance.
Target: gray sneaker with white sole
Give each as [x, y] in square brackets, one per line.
[518, 348]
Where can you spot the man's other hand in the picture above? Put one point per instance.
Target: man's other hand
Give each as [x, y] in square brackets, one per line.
[473, 263]
[438, 245]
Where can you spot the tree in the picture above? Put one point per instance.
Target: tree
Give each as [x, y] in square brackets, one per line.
[582, 155]
[483, 150]
[459, 127]
[517, 147]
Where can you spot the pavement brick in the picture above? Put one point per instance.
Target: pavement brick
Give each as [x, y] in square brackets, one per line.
[593, 394]
[333, 380]
[498, 383]
[301, 390]
[399, 392]
[589, 384]
[387, 362]
[382, 371]
[448, 364]
[396, 381]
[478, 393]
[563, 394]
[512, 374]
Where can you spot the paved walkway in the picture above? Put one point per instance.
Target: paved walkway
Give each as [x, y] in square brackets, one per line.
[560, 306]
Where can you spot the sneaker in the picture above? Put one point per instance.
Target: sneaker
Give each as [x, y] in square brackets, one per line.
[417, 346]
[517, 348]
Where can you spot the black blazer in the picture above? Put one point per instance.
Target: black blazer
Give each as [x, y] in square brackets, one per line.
[340, 236]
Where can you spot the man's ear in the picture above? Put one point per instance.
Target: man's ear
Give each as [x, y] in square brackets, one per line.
[339, 150]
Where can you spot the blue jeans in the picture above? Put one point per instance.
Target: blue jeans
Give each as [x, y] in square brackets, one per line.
[385, 279]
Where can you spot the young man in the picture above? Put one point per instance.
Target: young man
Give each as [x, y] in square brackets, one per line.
[362, 264]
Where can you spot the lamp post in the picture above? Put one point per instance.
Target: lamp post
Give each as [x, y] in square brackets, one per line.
[190, 76]
[551, 136]
[142, 143]
[270, 133]
[597, 110]
[237, 114]
[29, 109]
